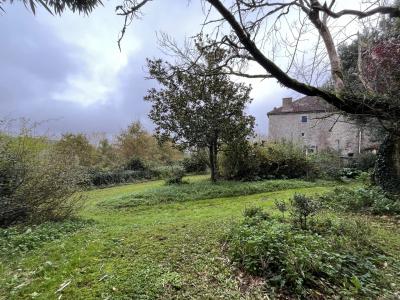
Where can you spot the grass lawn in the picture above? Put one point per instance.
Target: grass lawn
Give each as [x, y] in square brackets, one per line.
[167, 250]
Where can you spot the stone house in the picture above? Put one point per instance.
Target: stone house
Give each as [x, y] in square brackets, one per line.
[316, 125]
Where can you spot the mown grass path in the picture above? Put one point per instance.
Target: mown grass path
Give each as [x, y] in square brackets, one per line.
[164, 251]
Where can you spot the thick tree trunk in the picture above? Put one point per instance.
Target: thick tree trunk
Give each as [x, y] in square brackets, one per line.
[387, 168]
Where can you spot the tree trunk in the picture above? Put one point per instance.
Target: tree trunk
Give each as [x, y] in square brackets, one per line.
[212, 163]
[213, 152]
[387, 168]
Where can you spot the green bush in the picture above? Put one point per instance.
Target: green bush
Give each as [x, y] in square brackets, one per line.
[302, 209]
[254, 215]
[135, 164]
[351, 173]
[238, 161]
[281, 206]
[335, 261]
[104, 178]
[197, 162]
[365, 161]
[175, 176]
[282, 160]
[37, 183]
[326, 164]
[369, 200]
[270, 161]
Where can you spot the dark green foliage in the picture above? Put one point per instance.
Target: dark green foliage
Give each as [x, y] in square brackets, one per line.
[175, 176]
[365, 161]
[302, 209]
[254, 215]
[197, 162]
[327, 164]
[273, 160]
[336, 258]
[350, 173]
[135, 164]
[388, 164]
[239, 162]
[282, 160]
[16, 240]
[104, 178]
[199, 111]
[368, 200]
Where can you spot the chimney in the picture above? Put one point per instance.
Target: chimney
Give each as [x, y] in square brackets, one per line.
[286, 102]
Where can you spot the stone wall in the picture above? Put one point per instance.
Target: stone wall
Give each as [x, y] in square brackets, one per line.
[321, 131]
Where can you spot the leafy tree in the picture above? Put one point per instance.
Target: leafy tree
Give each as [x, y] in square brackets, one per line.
[370, 67]
[199, 109]
[107, 153]
[246, 28]
[78, 146]
[137, 143]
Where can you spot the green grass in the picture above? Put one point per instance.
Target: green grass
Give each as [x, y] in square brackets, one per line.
[162, 251]
[204, 189]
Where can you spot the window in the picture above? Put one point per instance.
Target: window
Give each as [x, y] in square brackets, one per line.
[302, 134]
[304, 119]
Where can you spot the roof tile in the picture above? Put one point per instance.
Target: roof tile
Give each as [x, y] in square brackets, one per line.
[304, 104]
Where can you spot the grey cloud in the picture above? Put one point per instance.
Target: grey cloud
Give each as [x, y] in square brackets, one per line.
[35, 62]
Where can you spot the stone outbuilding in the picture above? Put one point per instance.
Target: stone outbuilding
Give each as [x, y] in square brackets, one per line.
[316, 125]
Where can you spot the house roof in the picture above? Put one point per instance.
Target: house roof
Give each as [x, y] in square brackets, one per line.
[305, 104]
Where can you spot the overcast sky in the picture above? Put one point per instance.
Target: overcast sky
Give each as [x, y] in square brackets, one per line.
[69, 70]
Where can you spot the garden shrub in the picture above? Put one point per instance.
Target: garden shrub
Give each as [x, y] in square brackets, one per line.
[197, 162]
[269, 161]
[282, 160]
[118, 176]
[135, 164]
[365, 161]
[255, 214]
[333, 258]
[175, 176]
[281, 206]
[303, 208]
[37, 184]
[369, 200]
[238, 161]
[326, 164]
[350, 173]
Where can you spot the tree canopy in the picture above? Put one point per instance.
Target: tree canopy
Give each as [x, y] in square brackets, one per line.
[57, 7]
[197, 110]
